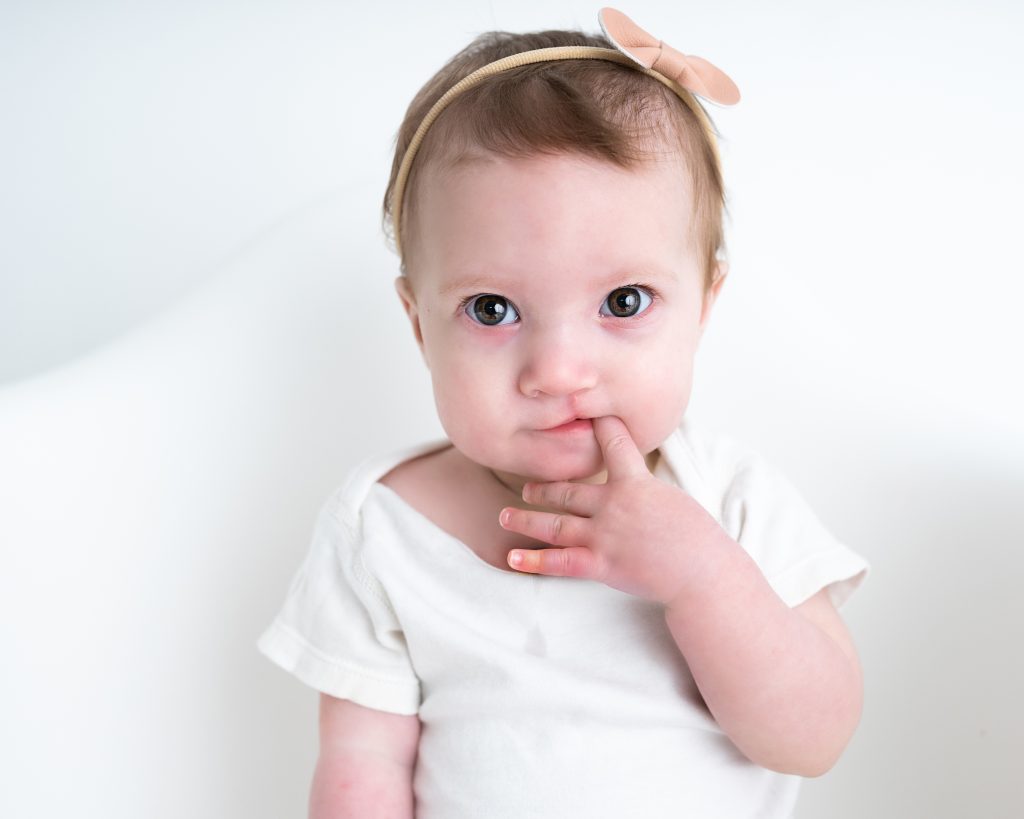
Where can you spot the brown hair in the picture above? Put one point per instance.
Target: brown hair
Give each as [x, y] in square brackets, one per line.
[591, 107]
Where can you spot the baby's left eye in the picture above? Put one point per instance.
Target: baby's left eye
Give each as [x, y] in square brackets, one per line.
[626, 301]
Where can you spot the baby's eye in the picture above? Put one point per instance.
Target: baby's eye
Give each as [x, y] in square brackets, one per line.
[626, 301]
[491, 310]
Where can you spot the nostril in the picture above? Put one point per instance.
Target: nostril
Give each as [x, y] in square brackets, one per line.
[559, 375]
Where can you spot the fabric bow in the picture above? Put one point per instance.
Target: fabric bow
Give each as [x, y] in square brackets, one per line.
[693, 73]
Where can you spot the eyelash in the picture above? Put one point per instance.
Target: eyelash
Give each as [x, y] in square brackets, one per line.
[654, 294]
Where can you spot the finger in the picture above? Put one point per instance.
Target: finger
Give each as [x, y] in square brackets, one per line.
[622, 459]
[574, 561]
[578, 498]
[549, 527]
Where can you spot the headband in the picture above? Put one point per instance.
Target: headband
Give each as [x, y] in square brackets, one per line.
[686, 75]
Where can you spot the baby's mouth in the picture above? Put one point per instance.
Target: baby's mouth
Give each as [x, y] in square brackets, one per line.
[571, 426]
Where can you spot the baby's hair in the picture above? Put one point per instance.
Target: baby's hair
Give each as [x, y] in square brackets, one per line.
[592, 108]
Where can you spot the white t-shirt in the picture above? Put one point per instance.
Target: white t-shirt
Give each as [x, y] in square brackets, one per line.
[543, 696]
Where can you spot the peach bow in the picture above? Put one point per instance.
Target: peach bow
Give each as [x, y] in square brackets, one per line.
[693, 73]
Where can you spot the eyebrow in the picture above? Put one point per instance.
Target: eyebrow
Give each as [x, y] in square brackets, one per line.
[468, 283]
[490, 284]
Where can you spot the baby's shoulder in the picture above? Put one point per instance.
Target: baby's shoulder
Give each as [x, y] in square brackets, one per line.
[420, 479]
[348, 500]
[446, 488]
[705, 462]
[715, 453]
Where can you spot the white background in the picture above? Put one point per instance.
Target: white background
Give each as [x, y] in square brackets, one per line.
[198, 337]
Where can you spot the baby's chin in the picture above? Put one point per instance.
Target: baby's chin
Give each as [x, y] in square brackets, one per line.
[562, 468]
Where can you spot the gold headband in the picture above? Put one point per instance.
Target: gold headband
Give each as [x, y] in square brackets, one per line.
[685, 75]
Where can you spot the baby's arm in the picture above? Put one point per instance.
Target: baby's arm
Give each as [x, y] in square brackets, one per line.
[784, 684]
[366, 762]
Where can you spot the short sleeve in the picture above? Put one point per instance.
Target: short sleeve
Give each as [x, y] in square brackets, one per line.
[336, 631]
[769, 517]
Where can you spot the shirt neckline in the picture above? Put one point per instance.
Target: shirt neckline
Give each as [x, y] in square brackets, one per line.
[411, 511]
[666, 463]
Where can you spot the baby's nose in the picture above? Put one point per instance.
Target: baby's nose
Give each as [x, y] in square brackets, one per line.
[559, 363]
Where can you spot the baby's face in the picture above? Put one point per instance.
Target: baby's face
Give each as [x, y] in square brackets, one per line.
[549, 289]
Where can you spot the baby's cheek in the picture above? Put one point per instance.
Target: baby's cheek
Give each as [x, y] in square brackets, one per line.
[464, 409]
[657, 410]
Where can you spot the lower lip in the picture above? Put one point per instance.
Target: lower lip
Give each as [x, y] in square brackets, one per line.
[579, 425]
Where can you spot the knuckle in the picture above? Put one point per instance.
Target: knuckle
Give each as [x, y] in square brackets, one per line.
[557, 526]
[558, 562]
[550, 562]
[566, 561]
[617, 442]
[568, 495]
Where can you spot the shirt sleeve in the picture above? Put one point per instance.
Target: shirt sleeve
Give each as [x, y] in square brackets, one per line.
[769, 517]
[336, 631]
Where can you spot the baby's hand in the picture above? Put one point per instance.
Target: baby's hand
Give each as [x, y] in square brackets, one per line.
[634, 533]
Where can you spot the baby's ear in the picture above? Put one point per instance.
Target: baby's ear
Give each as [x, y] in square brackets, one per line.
[408, 298]
[721, 271]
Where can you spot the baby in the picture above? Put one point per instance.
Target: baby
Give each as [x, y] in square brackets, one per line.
[578, 603]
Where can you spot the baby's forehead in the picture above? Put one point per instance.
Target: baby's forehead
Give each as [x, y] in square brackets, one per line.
[471, 171]
[482, 210]
[667, 170]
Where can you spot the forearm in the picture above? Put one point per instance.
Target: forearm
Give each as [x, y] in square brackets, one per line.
[351, 786]
[781, 688]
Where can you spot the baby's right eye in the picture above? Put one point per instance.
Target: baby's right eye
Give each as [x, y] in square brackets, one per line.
[491, 310]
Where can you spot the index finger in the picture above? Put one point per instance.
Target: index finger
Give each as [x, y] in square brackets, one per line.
[622, 459]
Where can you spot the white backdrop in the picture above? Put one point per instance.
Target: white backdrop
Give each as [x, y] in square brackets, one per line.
[198, 336]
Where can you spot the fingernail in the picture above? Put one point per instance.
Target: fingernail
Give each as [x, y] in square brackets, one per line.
[515, 558]
[504, 516]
